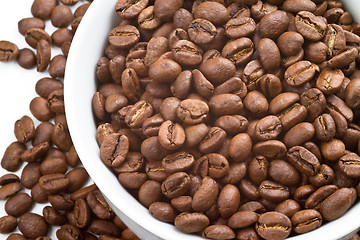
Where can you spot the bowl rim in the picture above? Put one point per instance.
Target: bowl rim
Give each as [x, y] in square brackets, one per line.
[94, 23]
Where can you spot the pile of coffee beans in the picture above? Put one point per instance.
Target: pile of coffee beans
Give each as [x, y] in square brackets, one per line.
[233, 118]
[53, 173]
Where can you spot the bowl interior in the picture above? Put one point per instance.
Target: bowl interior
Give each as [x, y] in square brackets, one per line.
[87, 47]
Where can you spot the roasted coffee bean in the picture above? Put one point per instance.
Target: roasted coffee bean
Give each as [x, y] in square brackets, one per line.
[256, 103]
[247, 233]
[43, 8]
[32, 225]
[147, 19]
[218, 232]
[240, 147]
[228, 200]
[333, 149]
[11, 159]
[8, 178]
[314, 101]
[9, 189]
[124, 36]
[24, 129]
[331, 209]
[129, 9]
[57, 66]
[113, 149]
[310, 26]
[240, 27]
[30, 174]
[300, 73]
[242, 219]
[176, 185]
[290, 43]
[77, 177]
[270, 85]
[305, 161]
[316, 52]
[99, 206]
[330, 81]
[82, 213]
[132, 180]
[232, 124]
[192, 111]
[26, 58]
[258, 169]
[299, 134]
[218, 70]
[38, 194]
[306, 220]
[104, 227]
[206, 195]
[61, 35]
[18, 204]
[234, 85]
[352, 93]
[180, 161]
[68, 231]
[162, 211]
[273, 24]
[348, 164]
[325, 127]
[40, 108]
[54, 183]
[273, 225]
[273, 191]
[284, 173]
[61, 16]
[8, 51]
[31, 22]
[7, 224]
[53, 217]
[288, 207]
[238, 51]
[201, 31]
[283, 101]
[149, 193]
[260, 9]
[268, 128]
[34, 35]
[191, 222]
[43, 55]
[164, 70]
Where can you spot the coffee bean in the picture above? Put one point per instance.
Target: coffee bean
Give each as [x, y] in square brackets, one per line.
[34, 35]
[32, 225]
[31, 22]
[124, 36]
[43, 8]
[129, 9]
[53, 217]
[240, 147]
[16, 236]
[228, 200]
[238, 51]
[38, 194]
[54, 183]
[273, 191]
[57, 66]
[299, 134]
[7, 224]
[191, 222]
[162, 211]
[11, 159]
[270, 149]
[201, 84]
[288, 207]
[273, 24]
[303, 160]
[26, 58]
[192, 111]
[218, 232]
[315, 102]
[61, 16]
[68, 231]
[8, 51]
[164, 70]
[256, 103]
[273, 224]
[206, 195]
[214, 67]
[306, 220]
[240, 27]
[113, 149]
[310, 26]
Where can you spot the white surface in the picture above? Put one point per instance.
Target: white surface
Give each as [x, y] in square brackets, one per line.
[18, 84]
[79, 88]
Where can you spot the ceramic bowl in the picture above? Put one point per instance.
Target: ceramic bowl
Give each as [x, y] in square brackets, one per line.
[87, 47]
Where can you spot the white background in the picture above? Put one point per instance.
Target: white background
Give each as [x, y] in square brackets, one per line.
[17, 84]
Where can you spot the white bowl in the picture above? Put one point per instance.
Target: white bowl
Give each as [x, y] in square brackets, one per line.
[87, 47]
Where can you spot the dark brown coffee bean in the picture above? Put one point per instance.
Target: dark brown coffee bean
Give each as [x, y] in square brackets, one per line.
[299, 134]
[132, 180]
[30, 174]
[43, 8]
[31, 22]
[180, 88]
[332, 209]
[299, 5]
[270, 85]
[283, 101]
[61, 202]
[68, 231]
[129, 9]
[260, 9]
[218, 70]
[138, 113]
[330, 81]
[234, 85]
[40, 108]
[325, 127]
[18, 204]
[164, 70]
[340, 106]
[113, 149]
[206, 195]
[201, 31]
[268, 128]
[53, 217]
[315, 102]
[176, 185]
[26, 58]
[310, 26]
[8, 178]
[352, 93]
[24, 129]
[270, 149]
[333, 149]
[60, 136]
[273, 191]
[163, 211]
[34, 35]
[32, 225]
[258, 169]
[284, 173]
[131, 84]
[191, 222]
[240, 147]
[192, 111]
[348, 164]
[300, 73]
[54, 183]
[82, 213]
[247, 233]
[43, 55]
[124, 36]
[8, 51]
[7, 224]
[218, 232]
[9, 189]
[182, 203]
[38, 194]
[306, 220]
[57, 66]
[104, 227]
[288, 207]
[77, 177]
[147, 19]
[273, 24]
[99, 206]
[273, 224]
[238, 51]
[242, 219]
[180, 161]
[335, 40]
[11, 159]
[228, 200]
[152, 149]
[290, 43]
[316, 52]
[232, 124]
[166, 9]
[305, 161]
[155, 48]
[240, 27]
[61, 16]
[256, 103]
[225, 104]
[150, 192]
[182, 18]
[212, 11]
